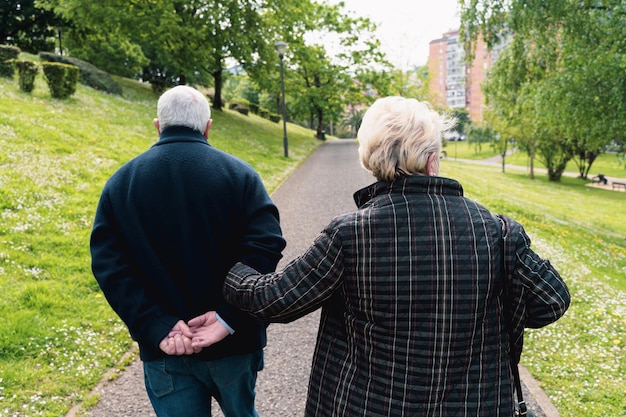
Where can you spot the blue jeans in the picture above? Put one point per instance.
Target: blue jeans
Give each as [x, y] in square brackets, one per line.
[179, 386]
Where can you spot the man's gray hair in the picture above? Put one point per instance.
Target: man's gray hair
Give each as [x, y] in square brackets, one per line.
[183, 106]
[397, 136]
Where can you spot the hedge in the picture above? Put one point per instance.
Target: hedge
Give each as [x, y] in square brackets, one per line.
[90, 75]
[28, 71]
[8, 55]
[61, 78]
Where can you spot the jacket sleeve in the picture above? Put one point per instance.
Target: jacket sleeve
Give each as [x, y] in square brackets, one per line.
[120, 284]
[300, 288]
[263, 242]
[538, 295]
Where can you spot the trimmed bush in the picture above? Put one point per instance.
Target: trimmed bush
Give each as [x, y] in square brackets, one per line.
[254, 108]
[90, 75]
[264, 113]
[274, 117]
[7, 68]
[9, 52]
[240, 105]
[8, 55]
[61, 78]
[28, 71]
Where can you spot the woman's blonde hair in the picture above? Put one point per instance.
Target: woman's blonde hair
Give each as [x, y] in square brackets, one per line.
[397, 136]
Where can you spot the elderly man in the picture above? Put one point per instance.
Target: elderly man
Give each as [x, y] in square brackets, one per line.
[169, 225]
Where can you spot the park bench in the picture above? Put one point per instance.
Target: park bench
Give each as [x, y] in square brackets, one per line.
[618, 184]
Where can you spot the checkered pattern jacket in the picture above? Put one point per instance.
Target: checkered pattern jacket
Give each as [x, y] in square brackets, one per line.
[413, 318]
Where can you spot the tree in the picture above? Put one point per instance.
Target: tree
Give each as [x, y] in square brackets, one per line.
[572, 67]
[504, 88]
[109, 52]
[321, 80]
[462, 119]
[183, 41]
[193, 40]
[320, 84]
[477, 136]
[353, 119]
[30, 28]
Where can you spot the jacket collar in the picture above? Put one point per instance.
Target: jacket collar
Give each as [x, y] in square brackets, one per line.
[180, 134]
[414, 184]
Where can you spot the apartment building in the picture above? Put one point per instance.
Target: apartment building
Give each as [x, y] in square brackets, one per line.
[452, 83]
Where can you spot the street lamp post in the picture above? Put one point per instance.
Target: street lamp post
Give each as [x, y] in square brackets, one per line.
[281, 47]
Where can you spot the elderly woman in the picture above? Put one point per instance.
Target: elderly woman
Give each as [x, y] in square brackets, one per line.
[414, 321]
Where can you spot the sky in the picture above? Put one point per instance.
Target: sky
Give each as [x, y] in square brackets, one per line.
[406, 27]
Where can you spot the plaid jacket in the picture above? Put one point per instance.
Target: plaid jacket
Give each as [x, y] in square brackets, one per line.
[413, 320]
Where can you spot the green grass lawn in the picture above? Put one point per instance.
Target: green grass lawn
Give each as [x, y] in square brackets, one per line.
[58, 335]
[609, 164]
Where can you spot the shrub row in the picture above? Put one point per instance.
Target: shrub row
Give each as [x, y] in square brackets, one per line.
[244, 106]
[61, 78]
[61, 73]
[90, 75]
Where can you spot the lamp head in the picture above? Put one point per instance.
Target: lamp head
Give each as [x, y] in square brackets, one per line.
[281, 48]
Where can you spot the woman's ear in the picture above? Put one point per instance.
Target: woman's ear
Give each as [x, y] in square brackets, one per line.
[432, 166]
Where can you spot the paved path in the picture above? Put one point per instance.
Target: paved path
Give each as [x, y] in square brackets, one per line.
[320, 189]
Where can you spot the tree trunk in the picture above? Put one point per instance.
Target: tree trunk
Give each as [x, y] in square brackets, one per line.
[217, 82]
[590, 158]
[555, 174]
[320, 125]
[532, 160]
[504, 151]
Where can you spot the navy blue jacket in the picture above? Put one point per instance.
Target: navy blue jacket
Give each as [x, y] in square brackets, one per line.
[169, 225]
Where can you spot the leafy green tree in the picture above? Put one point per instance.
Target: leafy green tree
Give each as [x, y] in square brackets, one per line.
[27, 26]
[183, 41]
[319, 83]
[194, 41]
[353, 119]
[477, 136]
[503, 89]
[109, 52]
[240, 86]
[320, 80]
[462, 119]
[563, 80]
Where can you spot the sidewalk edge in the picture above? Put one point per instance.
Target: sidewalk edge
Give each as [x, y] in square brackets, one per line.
[540, 397]
[110, 375]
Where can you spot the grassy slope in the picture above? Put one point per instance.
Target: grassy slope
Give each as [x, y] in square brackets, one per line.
[57, 333]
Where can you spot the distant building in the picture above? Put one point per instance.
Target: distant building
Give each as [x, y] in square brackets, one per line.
[451, 82]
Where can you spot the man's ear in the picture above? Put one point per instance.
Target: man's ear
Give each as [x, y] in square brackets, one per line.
[208, 127]
[157, 125]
